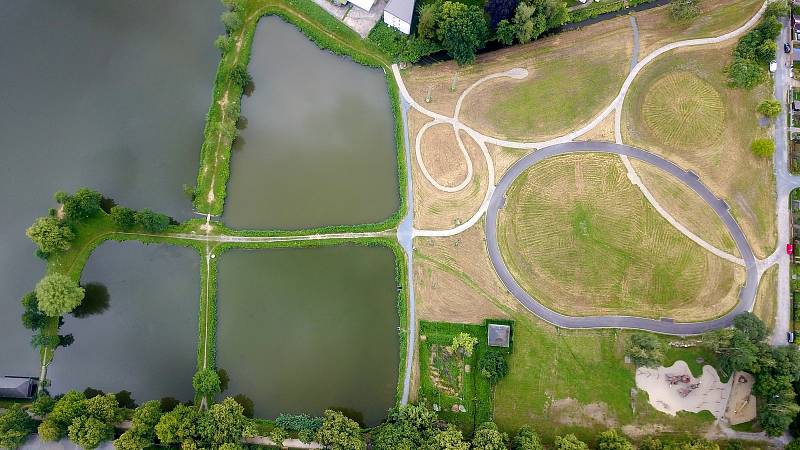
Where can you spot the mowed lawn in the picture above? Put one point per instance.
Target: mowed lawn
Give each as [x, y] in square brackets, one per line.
[681, 107]
[582, 239]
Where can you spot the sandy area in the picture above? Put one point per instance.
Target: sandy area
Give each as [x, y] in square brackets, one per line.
[710, 394]
[742, 404]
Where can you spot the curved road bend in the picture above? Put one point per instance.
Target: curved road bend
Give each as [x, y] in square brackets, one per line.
[666, 326]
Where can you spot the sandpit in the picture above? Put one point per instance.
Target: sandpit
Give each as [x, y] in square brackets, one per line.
[742, 404]
[684, 392]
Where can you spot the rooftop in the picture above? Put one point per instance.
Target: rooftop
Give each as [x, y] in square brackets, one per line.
[499, 335]
[402, 9]
[16, 387]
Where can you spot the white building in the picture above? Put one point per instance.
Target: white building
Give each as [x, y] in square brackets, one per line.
[366, 5]
[398, 14]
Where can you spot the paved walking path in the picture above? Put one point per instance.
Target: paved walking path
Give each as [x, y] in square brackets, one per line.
[746, 295]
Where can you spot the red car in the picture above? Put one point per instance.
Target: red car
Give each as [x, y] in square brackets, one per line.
[789, 249]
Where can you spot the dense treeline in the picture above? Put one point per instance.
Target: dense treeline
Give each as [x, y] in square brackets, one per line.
[756, 49]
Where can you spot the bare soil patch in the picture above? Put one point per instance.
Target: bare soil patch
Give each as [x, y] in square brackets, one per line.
[603, 131]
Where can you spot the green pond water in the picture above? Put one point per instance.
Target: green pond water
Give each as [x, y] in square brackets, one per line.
[301, 330]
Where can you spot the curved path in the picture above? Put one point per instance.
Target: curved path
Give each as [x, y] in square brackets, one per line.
[746, 295]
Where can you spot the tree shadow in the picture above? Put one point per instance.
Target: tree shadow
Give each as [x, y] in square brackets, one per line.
[249, 88]
[96, 300]
[107, 203]
[350, 413]
[242, 123]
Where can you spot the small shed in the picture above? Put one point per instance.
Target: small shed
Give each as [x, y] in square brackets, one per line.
[17, 387]
[499, 335]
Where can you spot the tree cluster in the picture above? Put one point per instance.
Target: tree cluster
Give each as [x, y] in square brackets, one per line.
[151, 222]
[777, 369]
[644, 349]
[529, 20]
[86, 421]
[756, 49]
[15, 427]
[493, 365]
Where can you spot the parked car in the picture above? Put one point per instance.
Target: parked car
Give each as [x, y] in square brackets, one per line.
[773, 66]
[787, 48]
[790, 337]
[789, 249]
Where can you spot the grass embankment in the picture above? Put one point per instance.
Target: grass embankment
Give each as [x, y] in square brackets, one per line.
[766, 298]
[328, 33]
[569, 82]
[717, 17]
[672, 109]
[559, 381]
[450, 380]
[583, 240]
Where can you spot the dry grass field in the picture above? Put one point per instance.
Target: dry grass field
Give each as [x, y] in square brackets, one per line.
[569, 82]
[583, 240]
[686, 206]
[434, 209]
[672, 109]
[717, 17]
[766, 301]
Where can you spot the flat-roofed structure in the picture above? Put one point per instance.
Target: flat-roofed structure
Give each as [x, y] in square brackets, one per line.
[366, 5]
[17, 387]
[499, 335]
[398, 14]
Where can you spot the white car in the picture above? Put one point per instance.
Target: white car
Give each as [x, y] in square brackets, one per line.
[773, 66]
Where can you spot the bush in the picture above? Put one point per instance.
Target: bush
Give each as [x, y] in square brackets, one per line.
[50, 235]
[298, 422]
[763, 148]
[123, 218]
[493, 365]
[239, 76]
[644, 349]
[745, 73]
[769, 108]
[684, 10]
[152, 222]
[400, 47]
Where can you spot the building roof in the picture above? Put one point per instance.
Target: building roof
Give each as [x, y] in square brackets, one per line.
[499, 335]
[402, 9]
[16, 387]
[366, 5]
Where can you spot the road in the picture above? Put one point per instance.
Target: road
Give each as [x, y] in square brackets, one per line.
[746, 295]
[785, 182]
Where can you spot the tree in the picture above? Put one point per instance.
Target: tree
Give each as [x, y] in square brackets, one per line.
[223, 43]
[65, 410]
[462, 30]
[570, 442]
[505, 32]
[527, 23]
[448, 439]
[32, 318]
[131, 440]
[499, 10]
[684, 10]
[463, 343]
[306, 436]
[240, 76]
[493, 365]
[526, 439]
[763, 148]
[152, 222]
[123, 218]
[83, 204]
[776, 415]
[58, 294]
[178, 425]
[488, 437]
[49, 431]
[769, 108]
[143, 423]
[225, 422]
[232, 21]
[248, 407]
[15, 426]
[611, 440]
[89, 432]
[42, 339]
[42, 405]
[428, 18]
[168, 404]
[50, 235]
[644, 350]
[745, 73]
[278, 435]
[339, 432]
[206, 382]
[751, 326]
[407, 426]
[777, 8]
[125, 399]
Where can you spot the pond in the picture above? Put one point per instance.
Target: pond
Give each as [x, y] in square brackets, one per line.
[137, 327]
[318, 146]
[108, 95]
[302, 330]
